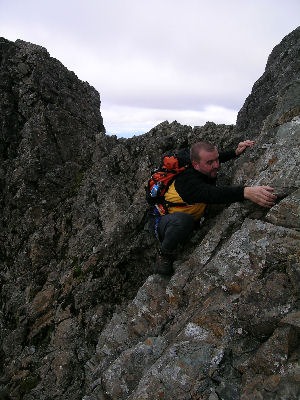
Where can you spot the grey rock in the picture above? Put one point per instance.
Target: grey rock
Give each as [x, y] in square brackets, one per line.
[287, 212]
[268, 102]
[82, 316]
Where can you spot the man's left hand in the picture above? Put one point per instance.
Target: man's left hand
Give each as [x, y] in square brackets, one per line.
[242, 146]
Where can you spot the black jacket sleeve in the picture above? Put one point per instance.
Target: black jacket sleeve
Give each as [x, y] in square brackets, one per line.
[227, 156]
[193, 188]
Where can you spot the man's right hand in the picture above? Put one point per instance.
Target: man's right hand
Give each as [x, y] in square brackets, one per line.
[261, 195]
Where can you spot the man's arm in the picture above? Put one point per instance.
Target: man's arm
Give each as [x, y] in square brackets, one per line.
[261, 195]
[210, 194]
[192, 190]
[242, 146]
[230, 155]
[225, 156]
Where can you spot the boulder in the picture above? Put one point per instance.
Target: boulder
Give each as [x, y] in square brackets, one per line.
[82, 316]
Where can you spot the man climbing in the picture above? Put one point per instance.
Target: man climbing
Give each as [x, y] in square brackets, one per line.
[195, 188]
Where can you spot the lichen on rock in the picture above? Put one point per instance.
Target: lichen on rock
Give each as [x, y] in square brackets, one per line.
[82, 316]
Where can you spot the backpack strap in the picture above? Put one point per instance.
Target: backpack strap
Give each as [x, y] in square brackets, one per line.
[163, 206]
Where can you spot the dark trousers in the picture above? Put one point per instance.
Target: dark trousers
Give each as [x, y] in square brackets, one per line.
[174, 229]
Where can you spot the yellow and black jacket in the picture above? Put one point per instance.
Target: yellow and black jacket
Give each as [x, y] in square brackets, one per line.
[195, 190]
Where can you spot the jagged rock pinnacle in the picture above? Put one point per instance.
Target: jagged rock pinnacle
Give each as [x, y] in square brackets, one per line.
[82, 316]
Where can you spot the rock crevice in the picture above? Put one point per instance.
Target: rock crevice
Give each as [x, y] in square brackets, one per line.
[81, 315]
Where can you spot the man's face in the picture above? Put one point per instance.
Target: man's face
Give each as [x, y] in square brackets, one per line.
[209, 163]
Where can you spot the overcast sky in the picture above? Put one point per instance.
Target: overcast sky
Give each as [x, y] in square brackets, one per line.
[156, 60]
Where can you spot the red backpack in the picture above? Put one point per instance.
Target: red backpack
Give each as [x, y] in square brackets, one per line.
[172, 164]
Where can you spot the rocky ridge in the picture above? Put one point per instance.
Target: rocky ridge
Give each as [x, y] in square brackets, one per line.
[81, 316]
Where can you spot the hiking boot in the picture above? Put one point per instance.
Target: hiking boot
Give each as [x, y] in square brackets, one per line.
[164, 264]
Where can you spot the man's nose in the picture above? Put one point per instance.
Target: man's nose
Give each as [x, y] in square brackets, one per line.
[216, 164]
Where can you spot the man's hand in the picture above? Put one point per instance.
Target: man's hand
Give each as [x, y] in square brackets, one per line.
[243, 145]
[261, 195]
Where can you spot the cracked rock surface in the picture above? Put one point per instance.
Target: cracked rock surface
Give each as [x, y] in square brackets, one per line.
[81, 314]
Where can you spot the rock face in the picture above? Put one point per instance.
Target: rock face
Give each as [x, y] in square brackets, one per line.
[81, 315]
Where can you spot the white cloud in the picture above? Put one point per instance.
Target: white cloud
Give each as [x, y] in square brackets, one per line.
[166, 57]
[128, 121]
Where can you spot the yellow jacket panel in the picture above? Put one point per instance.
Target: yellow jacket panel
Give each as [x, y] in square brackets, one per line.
[196, 210]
